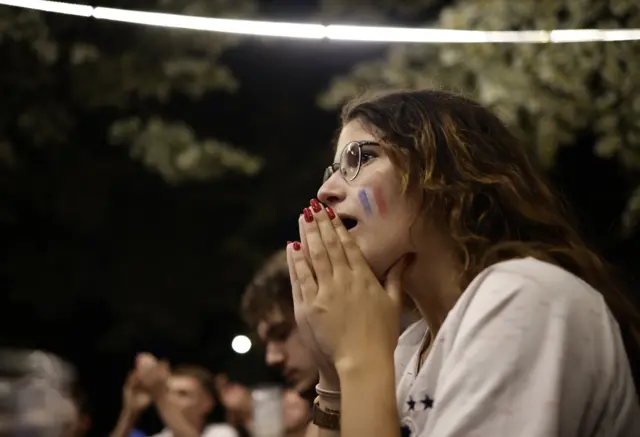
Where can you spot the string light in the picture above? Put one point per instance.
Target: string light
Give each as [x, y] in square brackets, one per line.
[332, 32]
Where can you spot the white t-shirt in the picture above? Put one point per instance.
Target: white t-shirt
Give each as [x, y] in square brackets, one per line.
[529, 350]
[212, 430]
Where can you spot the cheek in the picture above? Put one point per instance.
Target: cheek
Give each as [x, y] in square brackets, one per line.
[374, 201]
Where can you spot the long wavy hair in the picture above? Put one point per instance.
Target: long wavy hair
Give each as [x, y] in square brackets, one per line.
[479, 185]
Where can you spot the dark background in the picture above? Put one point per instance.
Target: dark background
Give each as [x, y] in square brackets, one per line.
[102, 258]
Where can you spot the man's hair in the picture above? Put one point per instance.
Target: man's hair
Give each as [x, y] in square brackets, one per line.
[270, 289]
[199, 373]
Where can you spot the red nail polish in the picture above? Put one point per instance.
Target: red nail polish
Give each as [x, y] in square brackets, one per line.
[308, 217]
[315, 205]
[296, 245]
[330, 213]
[288, 243]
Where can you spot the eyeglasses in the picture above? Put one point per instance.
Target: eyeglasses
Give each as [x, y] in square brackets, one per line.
[350, 161]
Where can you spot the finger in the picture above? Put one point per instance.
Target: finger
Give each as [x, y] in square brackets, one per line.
[349, 246]
[303, 240]
[305, 279]
[329, 236]
[317, 253]
[145, 360]
[293, 276]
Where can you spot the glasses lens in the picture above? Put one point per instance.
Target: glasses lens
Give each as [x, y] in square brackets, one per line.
[350, 161]
[328, 172]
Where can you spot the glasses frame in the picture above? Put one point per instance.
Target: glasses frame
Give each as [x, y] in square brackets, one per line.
[334, 167]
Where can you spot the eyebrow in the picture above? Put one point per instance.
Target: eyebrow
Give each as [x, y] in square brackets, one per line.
[278, 328]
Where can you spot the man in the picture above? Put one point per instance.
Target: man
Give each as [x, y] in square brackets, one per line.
[267, 306]
[80, 417]
[183, 397]
[239, 405]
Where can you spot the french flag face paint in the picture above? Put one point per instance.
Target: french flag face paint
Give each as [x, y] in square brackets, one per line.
[372, 202]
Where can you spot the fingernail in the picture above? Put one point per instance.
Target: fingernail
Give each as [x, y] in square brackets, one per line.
[296, 245]
[315, 205]
[308, 217]
[288, 243]
[330, 213]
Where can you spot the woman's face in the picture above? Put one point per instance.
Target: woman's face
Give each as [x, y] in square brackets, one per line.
[372, 205]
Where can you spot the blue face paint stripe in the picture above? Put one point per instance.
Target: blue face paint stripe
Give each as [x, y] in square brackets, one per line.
[364, 199]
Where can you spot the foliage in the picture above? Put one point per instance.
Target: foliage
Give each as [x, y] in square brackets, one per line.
[79, 95]
[374, 11]
[553, 94]
[173, 150]
[68, 71]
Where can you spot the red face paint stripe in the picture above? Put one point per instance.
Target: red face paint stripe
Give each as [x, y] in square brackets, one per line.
[379, 199]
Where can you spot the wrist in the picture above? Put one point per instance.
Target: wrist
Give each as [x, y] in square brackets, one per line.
[329, 384]
[328, 404]
[350, 366]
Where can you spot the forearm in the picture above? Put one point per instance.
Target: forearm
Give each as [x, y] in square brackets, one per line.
[174, 419]
[126, 421]
[368, 399]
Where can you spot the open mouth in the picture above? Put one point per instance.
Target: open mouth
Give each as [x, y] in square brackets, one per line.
[349, 222]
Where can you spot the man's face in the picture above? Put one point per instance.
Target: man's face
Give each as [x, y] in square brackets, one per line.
[189, 396]
[286, 350]
[77, 424]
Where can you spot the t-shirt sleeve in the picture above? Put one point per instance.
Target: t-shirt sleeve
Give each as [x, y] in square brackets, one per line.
[522, 361]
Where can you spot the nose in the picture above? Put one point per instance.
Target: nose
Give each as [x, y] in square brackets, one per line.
[333, 190]
[274, 355]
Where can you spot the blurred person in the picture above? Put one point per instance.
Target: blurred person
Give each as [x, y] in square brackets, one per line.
[523, 330]
[236, 399]
[267, 307]
[80, 421]
[35, 394]
[238, 403]
[183, 397]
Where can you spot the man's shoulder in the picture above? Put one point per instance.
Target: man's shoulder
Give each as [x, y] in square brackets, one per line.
[219, 430]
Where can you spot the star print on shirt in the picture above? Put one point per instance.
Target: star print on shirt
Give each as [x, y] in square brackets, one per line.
[411, 403]
[427, 402]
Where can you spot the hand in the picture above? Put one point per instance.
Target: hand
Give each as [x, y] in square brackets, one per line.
[134, 398]
[236, 399]
[353, 318]
[152, 375]
[328, 376]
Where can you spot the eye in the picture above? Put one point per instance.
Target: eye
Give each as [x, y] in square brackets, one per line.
[368, 156]
[280, 332]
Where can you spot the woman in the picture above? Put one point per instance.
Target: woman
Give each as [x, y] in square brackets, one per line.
[523, 331]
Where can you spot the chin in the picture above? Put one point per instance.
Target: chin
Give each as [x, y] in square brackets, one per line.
[305, 384]
[379, 261]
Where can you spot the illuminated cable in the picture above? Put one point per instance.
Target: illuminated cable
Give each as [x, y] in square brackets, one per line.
[49, 6]
[333, 32]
